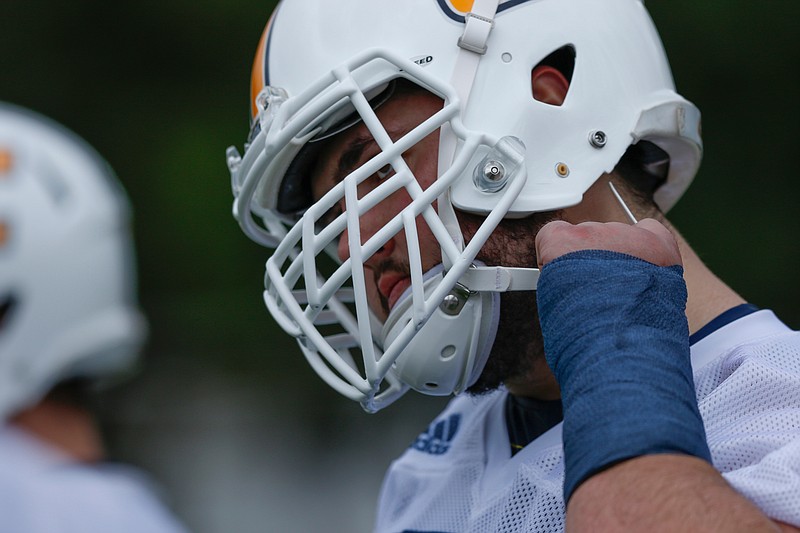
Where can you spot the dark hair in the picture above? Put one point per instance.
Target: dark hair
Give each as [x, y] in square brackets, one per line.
[643, 168]
[77, 392]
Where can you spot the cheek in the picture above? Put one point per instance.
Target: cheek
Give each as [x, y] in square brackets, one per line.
[422, 159]
[430, 249]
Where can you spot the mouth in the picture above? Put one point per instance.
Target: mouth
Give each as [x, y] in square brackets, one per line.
[392, 286]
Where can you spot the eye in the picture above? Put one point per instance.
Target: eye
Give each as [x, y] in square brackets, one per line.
[384, 172]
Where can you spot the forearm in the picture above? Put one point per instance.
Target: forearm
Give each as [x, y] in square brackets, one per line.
[666, 493]
[616, 338]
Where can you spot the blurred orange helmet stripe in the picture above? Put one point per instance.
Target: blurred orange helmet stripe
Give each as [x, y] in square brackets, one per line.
[464, 6]
[257, 80]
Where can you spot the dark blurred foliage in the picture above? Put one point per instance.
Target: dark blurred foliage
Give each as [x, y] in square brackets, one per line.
[160, 89]
[740, 63]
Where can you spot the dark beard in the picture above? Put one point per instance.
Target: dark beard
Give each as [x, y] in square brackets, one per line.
[518, 344]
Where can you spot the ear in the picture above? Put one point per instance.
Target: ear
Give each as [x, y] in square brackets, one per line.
[549, 85]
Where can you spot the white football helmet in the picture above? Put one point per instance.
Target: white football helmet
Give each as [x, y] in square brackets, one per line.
[67, 295]
[323, 66]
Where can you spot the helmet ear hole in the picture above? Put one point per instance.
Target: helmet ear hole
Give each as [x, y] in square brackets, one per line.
[551, 77]
[7, 305]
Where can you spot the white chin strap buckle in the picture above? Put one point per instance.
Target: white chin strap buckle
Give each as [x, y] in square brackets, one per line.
[476, 33]
[500, 279]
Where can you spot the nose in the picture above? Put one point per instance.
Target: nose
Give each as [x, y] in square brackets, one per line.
[369, 224]
[384, 252]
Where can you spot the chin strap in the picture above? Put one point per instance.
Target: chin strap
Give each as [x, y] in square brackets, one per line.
[481, 279]
[500, 279]
[504, 279]
[478, 25]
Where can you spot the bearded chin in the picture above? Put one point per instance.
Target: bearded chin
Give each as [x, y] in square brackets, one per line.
[518, 343]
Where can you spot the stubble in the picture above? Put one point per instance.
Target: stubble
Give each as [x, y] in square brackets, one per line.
[518, 348]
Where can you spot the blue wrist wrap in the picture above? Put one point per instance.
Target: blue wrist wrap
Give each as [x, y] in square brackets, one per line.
[617, 340]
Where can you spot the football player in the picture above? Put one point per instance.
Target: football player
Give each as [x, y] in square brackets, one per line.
[468, 197]
[69, 323]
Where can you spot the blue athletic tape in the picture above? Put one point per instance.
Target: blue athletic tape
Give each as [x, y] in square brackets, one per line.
[617, 340]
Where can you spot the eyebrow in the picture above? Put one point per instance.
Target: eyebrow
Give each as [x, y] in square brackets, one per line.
[355, 149]
[353, 152]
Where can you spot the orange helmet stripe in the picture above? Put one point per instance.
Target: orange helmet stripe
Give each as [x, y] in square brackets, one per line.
[257, 75]
[464, 6]
[6, 165]
[6, 161]
[456, 9]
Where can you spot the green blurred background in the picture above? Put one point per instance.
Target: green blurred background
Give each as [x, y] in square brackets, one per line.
[227, 416]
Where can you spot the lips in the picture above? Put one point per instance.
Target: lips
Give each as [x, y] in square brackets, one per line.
[392, 286]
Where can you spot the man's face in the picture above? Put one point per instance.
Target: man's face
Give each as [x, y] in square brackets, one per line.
[387, 272]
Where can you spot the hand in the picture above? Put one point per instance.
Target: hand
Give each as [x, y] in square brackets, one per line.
[648, 240]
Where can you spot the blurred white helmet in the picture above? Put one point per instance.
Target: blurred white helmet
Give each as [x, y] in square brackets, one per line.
[322, 66]
[67, 279]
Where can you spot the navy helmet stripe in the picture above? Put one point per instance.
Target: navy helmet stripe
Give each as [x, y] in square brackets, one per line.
[268, 45]
[449, 11]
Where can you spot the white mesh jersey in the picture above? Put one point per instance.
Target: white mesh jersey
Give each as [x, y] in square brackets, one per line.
[459, 475]
[42, 491]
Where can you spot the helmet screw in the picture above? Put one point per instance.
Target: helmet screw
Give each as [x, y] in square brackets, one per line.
[494, 171]
[598, 138]
[454, 302]
[450, 304]
[490, 176]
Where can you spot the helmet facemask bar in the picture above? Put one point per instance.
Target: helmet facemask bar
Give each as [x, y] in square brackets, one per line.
[321, 297]
[331, 319]
[286, 124]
